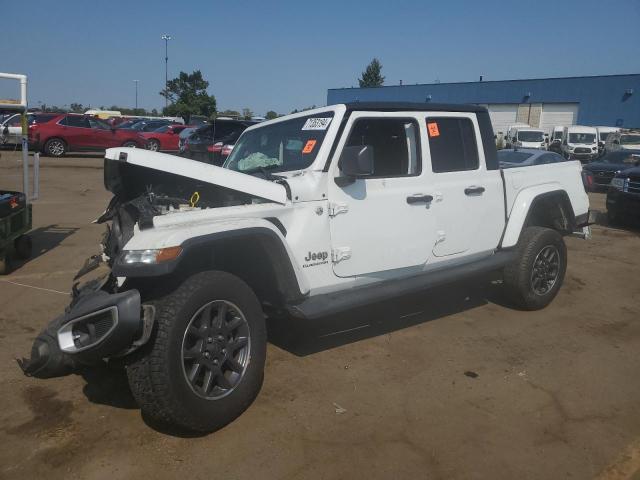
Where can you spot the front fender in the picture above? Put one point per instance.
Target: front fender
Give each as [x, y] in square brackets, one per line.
[198, 234]
[521, 208]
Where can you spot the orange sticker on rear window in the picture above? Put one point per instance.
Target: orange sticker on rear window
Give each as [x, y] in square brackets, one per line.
[432, 127]
[308, 148]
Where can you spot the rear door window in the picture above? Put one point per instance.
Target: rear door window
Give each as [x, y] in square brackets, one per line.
[452, 143]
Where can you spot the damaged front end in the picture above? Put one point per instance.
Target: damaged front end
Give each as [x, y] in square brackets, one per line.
[107, 317]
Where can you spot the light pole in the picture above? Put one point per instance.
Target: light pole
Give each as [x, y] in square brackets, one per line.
[166, 37]
[136, 82]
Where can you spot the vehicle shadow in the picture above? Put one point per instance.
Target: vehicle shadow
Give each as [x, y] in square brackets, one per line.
[44, 239]
[305, 338]
[631, 225]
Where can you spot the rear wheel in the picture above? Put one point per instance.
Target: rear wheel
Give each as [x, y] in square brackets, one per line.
[204, 364]
[153, 145]
[55, 147]
[533, 278]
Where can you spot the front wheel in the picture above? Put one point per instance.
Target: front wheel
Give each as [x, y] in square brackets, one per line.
[533, 278]
[204, 364]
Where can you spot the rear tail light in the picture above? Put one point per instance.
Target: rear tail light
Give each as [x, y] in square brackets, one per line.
[226, 150]
[214, 148]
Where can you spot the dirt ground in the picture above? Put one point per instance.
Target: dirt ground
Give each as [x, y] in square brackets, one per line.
[448, 384]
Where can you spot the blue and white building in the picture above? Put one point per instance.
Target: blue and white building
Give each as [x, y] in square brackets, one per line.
[605, 100]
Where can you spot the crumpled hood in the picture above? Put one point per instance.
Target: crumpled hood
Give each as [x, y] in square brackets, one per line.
[204, 172]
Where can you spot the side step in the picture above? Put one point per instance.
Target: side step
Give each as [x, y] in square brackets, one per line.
[319, 306]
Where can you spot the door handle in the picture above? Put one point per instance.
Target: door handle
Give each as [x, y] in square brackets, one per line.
[419, 199]
[474, 190]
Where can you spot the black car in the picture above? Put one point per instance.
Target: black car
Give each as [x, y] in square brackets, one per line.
[604, 169]
[212, 143]
[623, 197]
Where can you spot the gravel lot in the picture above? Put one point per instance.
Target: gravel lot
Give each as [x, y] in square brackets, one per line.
[448, 384]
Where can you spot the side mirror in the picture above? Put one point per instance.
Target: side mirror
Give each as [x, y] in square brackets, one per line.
[357, 161]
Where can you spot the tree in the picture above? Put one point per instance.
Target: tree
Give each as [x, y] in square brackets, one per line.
[247, 113]
[76, 107]
[372, 76]
[270, 115]
[154, 112]
[229, 113]
[188, 96]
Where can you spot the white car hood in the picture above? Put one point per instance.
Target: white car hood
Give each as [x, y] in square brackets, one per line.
[204, 172]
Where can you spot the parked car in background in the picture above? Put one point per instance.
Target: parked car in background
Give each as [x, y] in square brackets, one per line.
[11, 128]
[184, 135]
[74, 132]
[603, 133]
[148, 125]
[213, 143]
[527, 137]
[623, 140]
[524, 157]
[198, 120]
[555, 139]
[127, 124]
[163, 139]
[580, 143]
[623, 196]
[605, 168]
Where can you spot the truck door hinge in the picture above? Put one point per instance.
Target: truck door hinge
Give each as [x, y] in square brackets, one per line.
[337, 209]
[339, 254]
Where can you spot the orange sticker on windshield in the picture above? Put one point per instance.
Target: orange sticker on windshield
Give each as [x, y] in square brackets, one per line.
[309, 146]
[432, 127]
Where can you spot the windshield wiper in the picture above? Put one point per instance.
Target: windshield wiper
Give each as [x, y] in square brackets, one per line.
[264, 171]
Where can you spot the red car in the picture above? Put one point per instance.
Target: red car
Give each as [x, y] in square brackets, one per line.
[73, 132]
[164, 138]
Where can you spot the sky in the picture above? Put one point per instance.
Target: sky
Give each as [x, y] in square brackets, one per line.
[283, 54]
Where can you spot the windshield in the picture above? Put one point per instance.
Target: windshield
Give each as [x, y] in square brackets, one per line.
[511, 156]
[603, 136]
[557, 135]
[530, 136]
[283, 146]
[620, 157]
[629, 139]
[582, 137]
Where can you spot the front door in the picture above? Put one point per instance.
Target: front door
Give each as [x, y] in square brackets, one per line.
[382, 222]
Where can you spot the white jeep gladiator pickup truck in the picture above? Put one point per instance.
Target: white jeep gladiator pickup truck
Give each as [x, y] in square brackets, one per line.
[312, 214]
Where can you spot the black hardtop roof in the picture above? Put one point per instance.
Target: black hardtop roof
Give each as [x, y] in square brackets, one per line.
[413, 107]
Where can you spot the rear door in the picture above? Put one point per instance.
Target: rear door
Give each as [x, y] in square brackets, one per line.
[468, 201]
[102, 135]
[383, 222]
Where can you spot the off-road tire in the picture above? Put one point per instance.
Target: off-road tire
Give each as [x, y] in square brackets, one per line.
[23, 247]
[156, 375]
[55, 147]
[517, 275]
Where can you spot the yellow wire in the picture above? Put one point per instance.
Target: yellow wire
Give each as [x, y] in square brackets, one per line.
[195, 198]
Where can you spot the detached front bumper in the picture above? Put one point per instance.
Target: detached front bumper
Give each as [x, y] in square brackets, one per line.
[97, 325]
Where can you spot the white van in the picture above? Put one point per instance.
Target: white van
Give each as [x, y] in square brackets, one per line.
[603, 133]
[528, 137]
[511, 132]
[580, 143]
[623, 140]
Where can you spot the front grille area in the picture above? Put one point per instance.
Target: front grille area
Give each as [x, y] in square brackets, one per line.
[632, 185]
[582, 150]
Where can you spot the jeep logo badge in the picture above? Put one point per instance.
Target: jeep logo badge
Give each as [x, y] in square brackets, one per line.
[319, 256]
